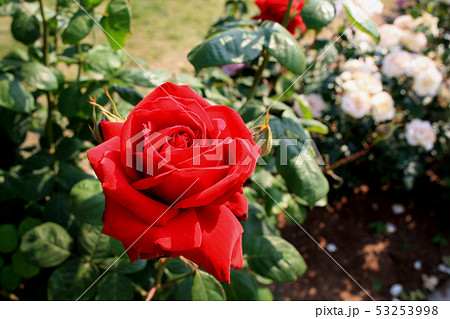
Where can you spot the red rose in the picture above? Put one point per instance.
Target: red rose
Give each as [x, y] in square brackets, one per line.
[177, 164]
[274, 10]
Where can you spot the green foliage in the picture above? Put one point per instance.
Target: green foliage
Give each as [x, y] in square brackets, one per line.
[206, 288]
[8, 238]
[360, 19]
[275, 258]
[115, 286]
[79, 27]
[116, 22]
[46, 245]
[25, 28]
[87, 202]
[317, 14]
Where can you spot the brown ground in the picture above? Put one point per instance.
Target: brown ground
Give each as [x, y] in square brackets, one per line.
[368, 257]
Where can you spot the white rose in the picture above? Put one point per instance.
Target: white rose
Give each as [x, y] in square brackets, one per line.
[420, 132]
[355, 65]
[371, 8]
[405, 22]
[367, 82]
[363, 41]
[382, 107]
[357, 104]
[316, 104]
[396, 63]
[427, 83]
[416, 42]
[390, 35]
[419, 64]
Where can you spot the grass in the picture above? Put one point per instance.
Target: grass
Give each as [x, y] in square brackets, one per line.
[162, 31]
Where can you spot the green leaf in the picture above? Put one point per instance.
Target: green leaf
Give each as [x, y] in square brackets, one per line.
[79, 27]
[233, 46]
[47, 245]
[251, 110]
[68, 149]
[8, 238]
[117, 23]
[13, 95]
[275, 258]
[37, 185]
[318, 13]
[115, 287]
[71, 279]
[25, 28]
[87, 201]
[26, 224]
[102, 60]
[69, 175]
[9, 279]
[361, 20]
[314, 126]
[128, 94]
[206, 288]
[71, 102]
[144, 78]
[39, 76]
[92, 244]
[241, 287]
[57, 209]
[126, 267]
[264, 294]
[283, 47]
[301, 173]
[22, 267]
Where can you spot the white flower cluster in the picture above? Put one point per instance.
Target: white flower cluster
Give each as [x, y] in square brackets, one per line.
[363, 91]
[427, 77]
[402, 32]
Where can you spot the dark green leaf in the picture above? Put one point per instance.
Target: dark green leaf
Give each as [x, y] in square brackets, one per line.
[206, 288]
[241, 287]
[70, 280]
[251, 110]
[72, 102]
[8, 238]
[79, 27]
[318, 13]
[69, 175]
[92, 244]
[314, 126]
[57, 209]
[115, 287]
[283, 47]
[361, 20]
[46, 245]
[87, 201]
[126, 267]
[37, 185]
[301, 173]
[68, 149]
[9, 279]
[102, 60]
[25, 28]
[233, 46]
[117, 22]
[13, 95]
[128, 94]
[39, 76]
[275, 258]
[26, 224]
[22, 267]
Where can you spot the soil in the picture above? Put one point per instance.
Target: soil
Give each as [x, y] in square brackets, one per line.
[375, 260]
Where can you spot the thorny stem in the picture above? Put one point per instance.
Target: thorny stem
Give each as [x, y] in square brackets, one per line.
[350, 158]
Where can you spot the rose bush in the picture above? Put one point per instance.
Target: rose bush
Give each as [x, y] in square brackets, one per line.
[177, 166]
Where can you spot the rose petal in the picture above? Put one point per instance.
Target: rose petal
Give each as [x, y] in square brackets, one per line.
[117, 185]
[111, 129]
[181, 233]
[238, 205]
[96, 153]
[221, 232]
